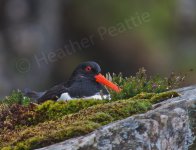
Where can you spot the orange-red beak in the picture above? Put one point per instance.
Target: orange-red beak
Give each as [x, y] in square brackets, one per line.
[101, 79]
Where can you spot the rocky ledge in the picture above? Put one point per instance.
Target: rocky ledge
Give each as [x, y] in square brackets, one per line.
[170, 125]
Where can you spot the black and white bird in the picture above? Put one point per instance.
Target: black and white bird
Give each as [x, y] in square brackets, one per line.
[85, 82]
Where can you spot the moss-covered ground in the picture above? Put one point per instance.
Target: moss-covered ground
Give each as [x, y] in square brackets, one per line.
[25, 125]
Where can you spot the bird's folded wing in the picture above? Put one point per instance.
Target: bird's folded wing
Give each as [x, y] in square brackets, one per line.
[53, 93]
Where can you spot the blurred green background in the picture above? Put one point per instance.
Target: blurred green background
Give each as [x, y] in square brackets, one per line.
[41, 41]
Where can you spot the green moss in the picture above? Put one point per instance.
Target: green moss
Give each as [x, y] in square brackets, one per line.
[163, 96]
[21, 146]
[144, 95]
[31, 143]
[102, 118]
[50, 110]
[76, 124]
[17, 116]
[7, 148]
[79, 128]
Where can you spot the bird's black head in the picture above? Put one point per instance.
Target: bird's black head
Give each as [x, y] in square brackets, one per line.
[87, 69]
[90, 70]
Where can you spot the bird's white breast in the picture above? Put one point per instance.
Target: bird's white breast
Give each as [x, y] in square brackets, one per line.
[98, 96]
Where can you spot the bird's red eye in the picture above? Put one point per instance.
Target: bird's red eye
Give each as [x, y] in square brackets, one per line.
[88, 69]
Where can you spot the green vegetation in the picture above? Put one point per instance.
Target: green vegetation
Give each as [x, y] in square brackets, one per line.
[16, 97]
[51, 110]
[139, 83]
[26, 125]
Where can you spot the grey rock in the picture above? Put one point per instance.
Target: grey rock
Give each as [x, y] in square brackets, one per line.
[170, 125]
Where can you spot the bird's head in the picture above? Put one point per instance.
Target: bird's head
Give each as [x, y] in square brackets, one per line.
[92, 71]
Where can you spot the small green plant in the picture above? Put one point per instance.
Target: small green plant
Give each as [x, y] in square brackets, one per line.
[16, 97]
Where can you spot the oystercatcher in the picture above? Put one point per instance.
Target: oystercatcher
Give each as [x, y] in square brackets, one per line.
[85, 82]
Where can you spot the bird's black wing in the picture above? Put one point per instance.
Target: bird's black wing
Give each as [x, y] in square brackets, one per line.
[54, 93]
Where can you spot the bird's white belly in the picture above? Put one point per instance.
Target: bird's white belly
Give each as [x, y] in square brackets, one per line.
[66, 97]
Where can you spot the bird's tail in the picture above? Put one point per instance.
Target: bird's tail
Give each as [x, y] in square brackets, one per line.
[33, 95]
